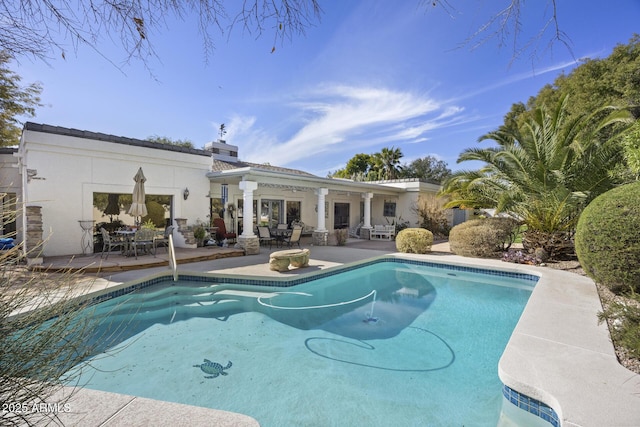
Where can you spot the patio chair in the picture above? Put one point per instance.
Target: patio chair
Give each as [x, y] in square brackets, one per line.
[294, 237]
[265, 236]
[355, 231]
[221, 233]
[143, 241]
[109, 243]
[163, 240]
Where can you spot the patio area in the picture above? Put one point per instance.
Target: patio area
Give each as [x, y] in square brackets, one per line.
[116, 262]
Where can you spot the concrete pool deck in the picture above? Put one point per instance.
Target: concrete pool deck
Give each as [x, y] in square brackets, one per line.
[557, 354]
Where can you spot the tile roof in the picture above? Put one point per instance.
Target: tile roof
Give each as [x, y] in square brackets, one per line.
[219, 165]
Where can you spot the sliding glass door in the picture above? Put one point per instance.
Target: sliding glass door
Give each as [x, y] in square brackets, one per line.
[271, 212]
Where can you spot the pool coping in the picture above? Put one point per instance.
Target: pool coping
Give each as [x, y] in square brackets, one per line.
[558, 353]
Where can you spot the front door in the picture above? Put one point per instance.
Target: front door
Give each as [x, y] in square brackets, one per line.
[340, 215]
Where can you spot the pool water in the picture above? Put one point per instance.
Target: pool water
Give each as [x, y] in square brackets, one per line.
[423, 349]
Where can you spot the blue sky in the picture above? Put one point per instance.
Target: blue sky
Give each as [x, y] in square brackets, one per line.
[370, 74]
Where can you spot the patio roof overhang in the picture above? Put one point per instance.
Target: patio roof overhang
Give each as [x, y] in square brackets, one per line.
[298, 182]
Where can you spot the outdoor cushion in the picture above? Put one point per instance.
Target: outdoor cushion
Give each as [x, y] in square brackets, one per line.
[6, 243]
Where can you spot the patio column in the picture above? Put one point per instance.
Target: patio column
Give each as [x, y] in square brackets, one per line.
[367, 209]
[365, 230]
[247, 187]
[320, 235]
[321, 192]
[248, 240]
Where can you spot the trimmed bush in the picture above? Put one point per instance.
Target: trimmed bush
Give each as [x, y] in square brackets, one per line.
[483, 237]
[414, 241]
[341, 236]
[608, 238]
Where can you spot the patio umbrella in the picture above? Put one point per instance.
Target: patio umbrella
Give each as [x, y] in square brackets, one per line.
[138, 207]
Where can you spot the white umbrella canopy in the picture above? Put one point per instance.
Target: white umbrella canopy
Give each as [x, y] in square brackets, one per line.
[138, 206]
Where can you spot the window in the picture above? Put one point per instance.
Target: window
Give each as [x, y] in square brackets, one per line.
[293, 211]
[271, 212]
[389, 209]
[8, 210]
[110, 210]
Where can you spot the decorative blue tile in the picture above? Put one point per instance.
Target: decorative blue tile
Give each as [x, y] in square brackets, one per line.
[531, 405]
[306, 278]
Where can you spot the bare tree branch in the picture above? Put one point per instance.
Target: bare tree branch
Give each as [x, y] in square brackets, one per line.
[506, 26]
[42, 28]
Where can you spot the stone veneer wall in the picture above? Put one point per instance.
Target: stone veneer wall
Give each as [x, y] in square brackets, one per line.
[365, 233]
[320, 238]
[186, 232]
[33, 243]
[251, 245]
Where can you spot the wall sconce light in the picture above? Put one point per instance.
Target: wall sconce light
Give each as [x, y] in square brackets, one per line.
[185, 193]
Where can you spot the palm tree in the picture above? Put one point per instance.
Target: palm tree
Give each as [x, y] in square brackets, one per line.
[544, 172]
[387, 163]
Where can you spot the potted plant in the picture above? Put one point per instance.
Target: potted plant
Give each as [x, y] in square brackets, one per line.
[199, 233]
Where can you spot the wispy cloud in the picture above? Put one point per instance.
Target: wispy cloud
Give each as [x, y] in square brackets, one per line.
[518, 78]
[334, 115]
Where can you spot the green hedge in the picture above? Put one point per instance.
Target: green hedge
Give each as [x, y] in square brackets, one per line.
[483, 237]
[607, 238]
[414, 241]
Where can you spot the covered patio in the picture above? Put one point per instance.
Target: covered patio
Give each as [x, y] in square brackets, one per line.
[248, 195]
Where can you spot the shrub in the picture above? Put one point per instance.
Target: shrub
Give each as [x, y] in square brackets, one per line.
[199, 232]
[624, 323]
[414, 241]
[433, 217]
[483, 237]
[39, 347]
[608, 238]
[149, 225]
[341, 236]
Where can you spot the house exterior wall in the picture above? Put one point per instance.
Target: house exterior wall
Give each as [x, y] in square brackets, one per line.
[9, 177]
[11, 182]
[72, 169]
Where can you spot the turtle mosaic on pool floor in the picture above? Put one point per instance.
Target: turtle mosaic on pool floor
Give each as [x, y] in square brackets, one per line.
[213, 368]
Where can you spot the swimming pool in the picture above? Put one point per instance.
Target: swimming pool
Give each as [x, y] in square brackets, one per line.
[385, 342]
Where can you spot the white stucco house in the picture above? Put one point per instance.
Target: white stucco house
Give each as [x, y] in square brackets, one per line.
[64, 177]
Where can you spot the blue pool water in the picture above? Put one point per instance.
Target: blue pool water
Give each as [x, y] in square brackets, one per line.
[390, 343]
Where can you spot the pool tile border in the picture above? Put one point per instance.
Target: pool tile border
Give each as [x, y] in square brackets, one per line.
[531, 405]
[244, 280]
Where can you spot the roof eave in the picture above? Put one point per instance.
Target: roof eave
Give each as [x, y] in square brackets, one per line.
[249, 173]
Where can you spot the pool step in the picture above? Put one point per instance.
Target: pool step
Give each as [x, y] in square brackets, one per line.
[246, 294]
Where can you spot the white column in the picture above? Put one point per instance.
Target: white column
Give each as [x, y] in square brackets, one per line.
[247, 187]
[367, 209]
[321, 192]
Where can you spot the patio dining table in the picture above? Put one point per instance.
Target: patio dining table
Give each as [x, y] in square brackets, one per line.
[126, 236]
[280, 234]
[129, 240]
